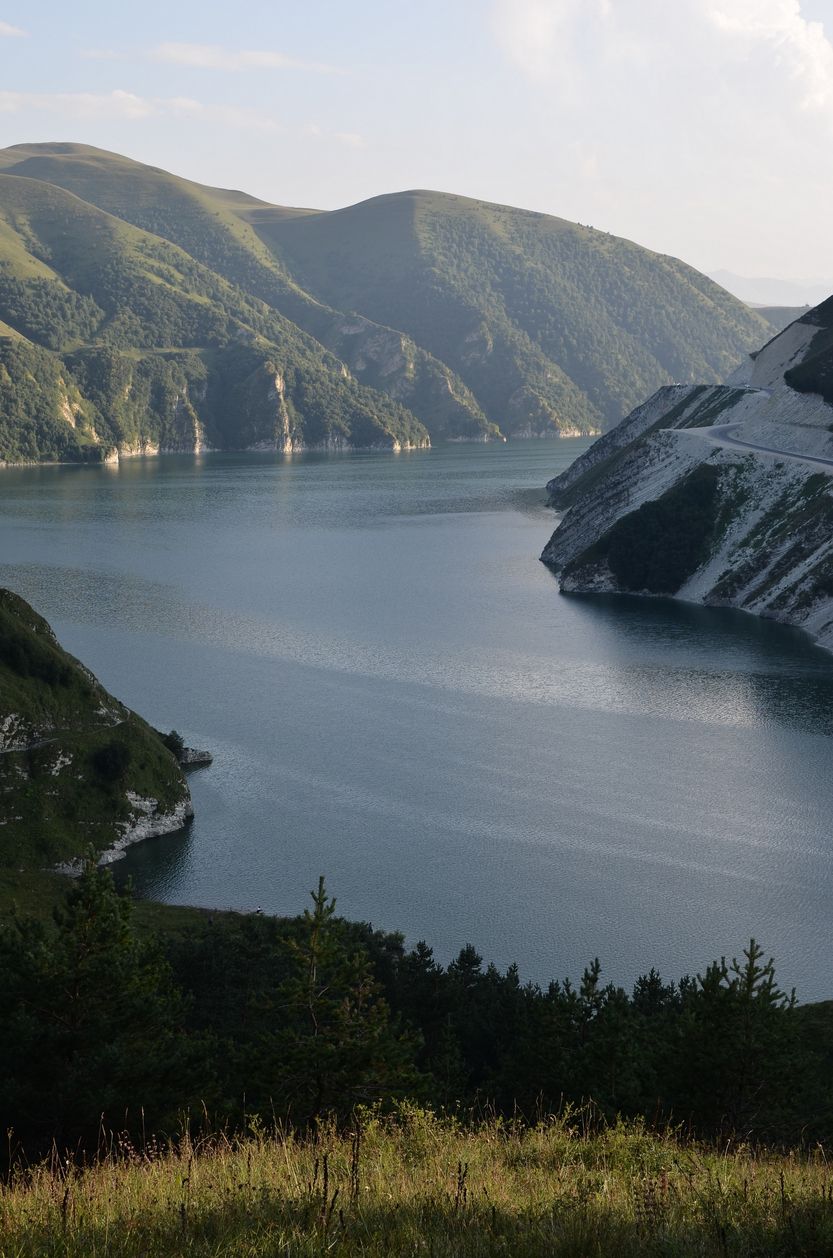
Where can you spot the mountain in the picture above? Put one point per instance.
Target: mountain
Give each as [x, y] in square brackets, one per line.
[549, 323]
[141, 311]
[780, 317]
[716, 494]
[117, 339]
[210, 225]
[763, 291]
[78, 769]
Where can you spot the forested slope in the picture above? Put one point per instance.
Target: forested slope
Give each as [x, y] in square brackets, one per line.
[79, 771]
[149, 348]
[551, 324]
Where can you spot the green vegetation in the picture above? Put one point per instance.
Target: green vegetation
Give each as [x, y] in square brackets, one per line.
[69, 751]
[415, 1184]
[405, 315]
[551, 325]
[301, 1020]
[227, 1084]
[42, 413]
[660, 545]
[125, 340]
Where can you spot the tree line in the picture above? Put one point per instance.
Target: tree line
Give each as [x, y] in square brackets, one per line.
[228, 1019]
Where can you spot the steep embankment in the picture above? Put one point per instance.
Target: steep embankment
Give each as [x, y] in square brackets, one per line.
[404, 316]
[77, 768]
[721, 495]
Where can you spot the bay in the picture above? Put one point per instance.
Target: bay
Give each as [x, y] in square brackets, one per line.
[397, 696]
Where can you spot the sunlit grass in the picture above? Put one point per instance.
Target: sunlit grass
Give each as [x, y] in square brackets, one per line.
[418, 1185]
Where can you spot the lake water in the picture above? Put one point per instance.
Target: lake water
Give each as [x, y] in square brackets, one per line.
[397, 696]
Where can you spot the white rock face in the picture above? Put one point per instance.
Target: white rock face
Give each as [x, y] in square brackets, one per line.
[148, 822]
[770, 549]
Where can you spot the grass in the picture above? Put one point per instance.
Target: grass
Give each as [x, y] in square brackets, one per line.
[418, 1185]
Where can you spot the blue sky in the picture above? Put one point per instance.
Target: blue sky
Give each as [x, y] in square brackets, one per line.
[701, 128]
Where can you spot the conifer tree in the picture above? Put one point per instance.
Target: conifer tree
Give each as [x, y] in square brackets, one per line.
[89, 1022]
[332, 1045]
[739, 1046]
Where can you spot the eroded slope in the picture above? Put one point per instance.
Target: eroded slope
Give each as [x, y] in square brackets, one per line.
[721, 495]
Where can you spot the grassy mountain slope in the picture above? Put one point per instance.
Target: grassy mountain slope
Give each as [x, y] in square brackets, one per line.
[549, 323]
[780, 317]
[471, 315]
[164, 351]
[71, 755]
[212, 226]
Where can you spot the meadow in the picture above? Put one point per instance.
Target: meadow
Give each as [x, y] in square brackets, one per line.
[417, 1184]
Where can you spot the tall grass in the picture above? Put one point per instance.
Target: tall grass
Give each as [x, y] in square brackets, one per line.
[419, 1185]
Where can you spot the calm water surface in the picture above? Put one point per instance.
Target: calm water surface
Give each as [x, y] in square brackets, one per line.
[397, 696]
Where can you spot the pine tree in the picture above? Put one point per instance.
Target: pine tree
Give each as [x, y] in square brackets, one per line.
[739, 1047]
[332, 1044]
[90, 1022]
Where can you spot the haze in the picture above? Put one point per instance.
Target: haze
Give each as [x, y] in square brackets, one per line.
[696, 128]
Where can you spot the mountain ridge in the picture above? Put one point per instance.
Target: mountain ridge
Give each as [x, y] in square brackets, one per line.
[405, 317]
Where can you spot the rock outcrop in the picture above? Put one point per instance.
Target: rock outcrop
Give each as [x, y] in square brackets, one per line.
[716, 494]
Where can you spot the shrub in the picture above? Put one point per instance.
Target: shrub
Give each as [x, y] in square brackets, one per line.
[112, 760]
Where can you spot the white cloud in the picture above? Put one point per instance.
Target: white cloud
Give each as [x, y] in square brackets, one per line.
[10, 32]
[531, 31]
[707, 120]
[797, 48]
[349, 139]
[217, 57]
[130, 107]
[560, 41]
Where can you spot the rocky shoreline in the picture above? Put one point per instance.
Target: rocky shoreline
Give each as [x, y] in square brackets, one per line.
[715, 494]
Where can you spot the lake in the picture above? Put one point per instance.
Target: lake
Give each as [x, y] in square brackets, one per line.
[397, 696]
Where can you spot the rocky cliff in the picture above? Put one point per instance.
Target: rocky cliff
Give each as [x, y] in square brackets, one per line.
[716, 494]
[78, 770]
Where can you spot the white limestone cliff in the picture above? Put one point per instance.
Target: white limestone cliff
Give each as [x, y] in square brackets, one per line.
[767, 544]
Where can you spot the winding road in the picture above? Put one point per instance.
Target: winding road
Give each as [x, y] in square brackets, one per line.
[721, 435]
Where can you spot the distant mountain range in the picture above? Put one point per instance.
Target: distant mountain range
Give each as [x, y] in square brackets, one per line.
[140, 311]
[760, 291]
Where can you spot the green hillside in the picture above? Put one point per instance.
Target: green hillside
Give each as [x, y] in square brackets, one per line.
[71, 756]
[551, 324]
[211, 225]
[149, 347]
[471, 318]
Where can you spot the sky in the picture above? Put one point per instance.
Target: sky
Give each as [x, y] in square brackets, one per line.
[700, 128]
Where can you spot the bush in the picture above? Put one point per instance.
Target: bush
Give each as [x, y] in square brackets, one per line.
[175, 743]
[111, 761]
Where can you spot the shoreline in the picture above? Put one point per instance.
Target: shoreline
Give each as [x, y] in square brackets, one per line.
[287, 452]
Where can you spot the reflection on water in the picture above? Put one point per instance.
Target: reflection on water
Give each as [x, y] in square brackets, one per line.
[396, 694]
